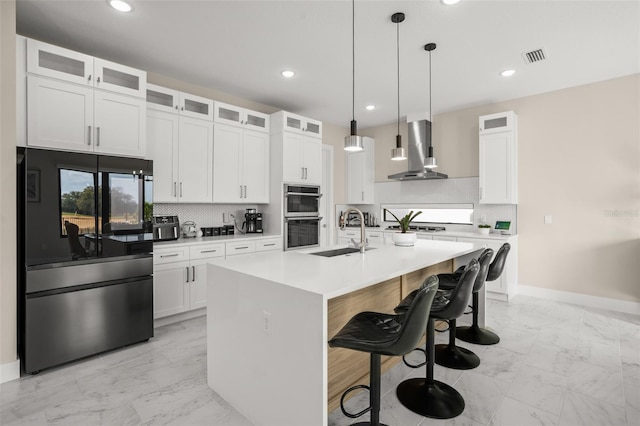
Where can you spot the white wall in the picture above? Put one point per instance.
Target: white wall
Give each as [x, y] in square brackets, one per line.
[579, 161]
[8, 333]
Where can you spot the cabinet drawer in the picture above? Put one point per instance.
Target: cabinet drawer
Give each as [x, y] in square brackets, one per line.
[170, 255]
[240, 247]
[206, 251]
[269, 244]
[349, 233]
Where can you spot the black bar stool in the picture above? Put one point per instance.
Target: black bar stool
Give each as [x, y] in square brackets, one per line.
[426, 396]
[473, 333]
[385, 334]
[450, 355]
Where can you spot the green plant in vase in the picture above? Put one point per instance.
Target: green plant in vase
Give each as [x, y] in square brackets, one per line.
[405, 221]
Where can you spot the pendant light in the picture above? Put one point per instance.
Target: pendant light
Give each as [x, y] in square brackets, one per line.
[398, 152]
[353, 142]
[430, 161]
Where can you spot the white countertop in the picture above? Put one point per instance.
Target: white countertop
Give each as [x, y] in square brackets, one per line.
[335, 276]
[463, 234]
[215, 239]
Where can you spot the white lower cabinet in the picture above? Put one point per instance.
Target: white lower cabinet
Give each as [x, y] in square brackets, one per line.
[375, 238]
[241, 247]
[269, 244]
[345, 235]
[180, 277]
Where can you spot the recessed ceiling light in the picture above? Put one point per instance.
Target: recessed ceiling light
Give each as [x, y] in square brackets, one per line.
[507, 73]
[120, 5]
[370, 107]
[288, 73]
[450, 2]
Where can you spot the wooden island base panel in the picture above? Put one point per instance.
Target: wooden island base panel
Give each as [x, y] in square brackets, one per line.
[346, 367]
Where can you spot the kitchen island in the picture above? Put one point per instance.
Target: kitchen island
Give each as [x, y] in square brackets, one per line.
[269, 317]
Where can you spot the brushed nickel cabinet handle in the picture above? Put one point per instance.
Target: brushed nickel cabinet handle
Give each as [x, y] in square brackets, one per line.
[98, 136]
[181, 189]
[89, 138]
[193, 276]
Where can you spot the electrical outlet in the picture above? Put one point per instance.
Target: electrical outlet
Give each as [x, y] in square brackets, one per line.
[227, 217]
[266, 322]
[547, 219]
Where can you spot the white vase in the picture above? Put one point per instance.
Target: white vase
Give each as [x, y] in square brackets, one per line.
[406, 239]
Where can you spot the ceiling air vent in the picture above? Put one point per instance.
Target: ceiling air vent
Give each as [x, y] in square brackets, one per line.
[534, 56]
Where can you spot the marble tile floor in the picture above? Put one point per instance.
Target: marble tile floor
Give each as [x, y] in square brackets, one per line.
[557, 364]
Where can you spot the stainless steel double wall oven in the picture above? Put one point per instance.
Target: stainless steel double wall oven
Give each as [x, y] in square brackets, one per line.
[301, 216]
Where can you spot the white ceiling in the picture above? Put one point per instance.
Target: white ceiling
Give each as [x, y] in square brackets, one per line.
[240, 47]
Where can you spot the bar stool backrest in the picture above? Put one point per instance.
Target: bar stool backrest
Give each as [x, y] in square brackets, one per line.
[485, 261]
[414, 322]
[496, 267]
[459, 298]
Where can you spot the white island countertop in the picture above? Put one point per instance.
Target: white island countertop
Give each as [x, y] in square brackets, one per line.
[339, 275]
[267, 322]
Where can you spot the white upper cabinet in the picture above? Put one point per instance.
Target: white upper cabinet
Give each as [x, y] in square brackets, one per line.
[498, 156]
[91, 121]
[64, 64]
[240, 165]
[119, 78]
[169, 100]
[237, 116]
[360, 167]
[49, 125]
[120, 124]
[182, 152]
[80, 103]
[57, 62]
[286, 121]
[296, 150]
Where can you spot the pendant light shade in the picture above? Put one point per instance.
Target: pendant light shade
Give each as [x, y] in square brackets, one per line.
[398, 153]
[353, 142]
[430, 161]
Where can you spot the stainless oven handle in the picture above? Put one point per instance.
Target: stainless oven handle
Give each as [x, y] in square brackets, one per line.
[289, 219]
[303, 194]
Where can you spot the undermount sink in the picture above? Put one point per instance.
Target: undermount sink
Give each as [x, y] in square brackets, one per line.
[339, 252]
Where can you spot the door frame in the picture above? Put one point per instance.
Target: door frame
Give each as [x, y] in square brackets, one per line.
[326, 232]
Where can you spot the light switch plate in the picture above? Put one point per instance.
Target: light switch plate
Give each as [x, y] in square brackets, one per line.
[547, 219]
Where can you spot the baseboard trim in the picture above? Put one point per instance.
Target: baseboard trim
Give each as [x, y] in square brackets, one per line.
[623, 306]
[160, 322]
[10, 371]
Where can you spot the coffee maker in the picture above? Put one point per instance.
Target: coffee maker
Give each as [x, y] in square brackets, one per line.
[252, 222]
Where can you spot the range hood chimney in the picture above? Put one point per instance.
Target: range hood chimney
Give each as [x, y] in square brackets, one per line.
[418, 150]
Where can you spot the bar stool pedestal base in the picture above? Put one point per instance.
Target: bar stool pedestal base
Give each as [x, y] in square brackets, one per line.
[436, 400]
[477, 335]
[456, 357]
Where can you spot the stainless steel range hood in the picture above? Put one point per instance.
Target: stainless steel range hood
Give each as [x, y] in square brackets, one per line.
[418, 149]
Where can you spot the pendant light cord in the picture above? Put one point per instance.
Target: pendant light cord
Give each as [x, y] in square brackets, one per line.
[353, 59]
[398, 63]
[430, 113]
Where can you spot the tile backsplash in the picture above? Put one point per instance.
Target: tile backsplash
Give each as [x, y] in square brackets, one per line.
[444, 191]
[204, 215]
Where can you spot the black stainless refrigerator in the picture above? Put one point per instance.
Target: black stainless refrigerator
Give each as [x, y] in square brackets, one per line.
[85, 261]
